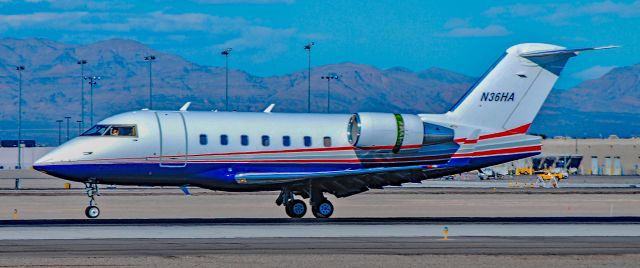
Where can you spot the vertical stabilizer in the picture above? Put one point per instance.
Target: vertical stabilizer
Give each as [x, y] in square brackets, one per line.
[513, 90]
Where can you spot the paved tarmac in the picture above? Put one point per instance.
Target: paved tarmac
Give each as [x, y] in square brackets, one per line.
[502, 227]
[322, 245]
[422, 202]
[242, 229]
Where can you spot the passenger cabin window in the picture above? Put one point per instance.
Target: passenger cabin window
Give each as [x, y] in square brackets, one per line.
[307, 141]
[224, 139]
[111, 130]
[326, 141]
[265, 140]
[286, 141]
[244, 140]
[203, 139]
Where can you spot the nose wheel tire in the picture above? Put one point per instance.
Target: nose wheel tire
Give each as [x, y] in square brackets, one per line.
[322, 209]
[92, 212]
[296, 208]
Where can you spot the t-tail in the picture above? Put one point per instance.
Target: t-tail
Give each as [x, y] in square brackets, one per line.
[493, 116]
[510, 94]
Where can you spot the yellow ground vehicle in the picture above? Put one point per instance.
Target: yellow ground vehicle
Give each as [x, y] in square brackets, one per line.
[549, 175]
[524, 171]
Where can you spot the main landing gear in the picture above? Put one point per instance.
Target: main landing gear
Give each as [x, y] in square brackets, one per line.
[91, 188]
[321, 207]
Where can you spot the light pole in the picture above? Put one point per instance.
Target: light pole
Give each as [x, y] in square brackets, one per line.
[93, 80]
[59, 131]
[67, 118]
[150, 59]
[19, 69]
[82, 63]
[308, 48]
[329, 77]
[79, 127]
[225, 53]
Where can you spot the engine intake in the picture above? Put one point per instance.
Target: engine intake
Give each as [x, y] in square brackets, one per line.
[385, 130]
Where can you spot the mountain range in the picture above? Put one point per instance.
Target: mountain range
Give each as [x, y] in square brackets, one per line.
[52, 86]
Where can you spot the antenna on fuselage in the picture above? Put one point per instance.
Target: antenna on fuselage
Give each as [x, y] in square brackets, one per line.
[185, 106]
[269, 108]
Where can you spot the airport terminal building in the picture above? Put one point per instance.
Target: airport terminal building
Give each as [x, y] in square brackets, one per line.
[610, 156]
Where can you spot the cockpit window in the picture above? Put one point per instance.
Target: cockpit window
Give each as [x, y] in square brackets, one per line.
[96, 130]
[122, 131]
[112, 130]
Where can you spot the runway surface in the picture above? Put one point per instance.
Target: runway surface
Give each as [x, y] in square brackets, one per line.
[343, 245]
[315, 231]
[353, 242]
[135, 237]
[488, 227]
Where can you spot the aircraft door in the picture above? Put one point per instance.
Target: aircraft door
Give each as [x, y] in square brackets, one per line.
[173, 139]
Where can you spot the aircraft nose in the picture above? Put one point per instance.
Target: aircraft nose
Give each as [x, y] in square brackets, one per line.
[48, 162]
[42, 164]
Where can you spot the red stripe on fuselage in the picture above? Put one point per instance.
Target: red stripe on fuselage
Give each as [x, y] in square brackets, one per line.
[515, 131]
[501, 151]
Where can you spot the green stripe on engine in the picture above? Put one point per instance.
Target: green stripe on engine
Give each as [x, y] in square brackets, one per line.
[400, 133]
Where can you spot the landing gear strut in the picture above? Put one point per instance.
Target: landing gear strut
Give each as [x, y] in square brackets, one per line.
[322, 209]
[296, 208]
[320, 206]
[91, 188]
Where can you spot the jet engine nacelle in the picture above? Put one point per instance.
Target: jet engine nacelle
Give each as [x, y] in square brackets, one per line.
[385, 129]
[435, 134]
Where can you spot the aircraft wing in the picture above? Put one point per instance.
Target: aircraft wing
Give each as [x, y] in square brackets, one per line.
[346, 182]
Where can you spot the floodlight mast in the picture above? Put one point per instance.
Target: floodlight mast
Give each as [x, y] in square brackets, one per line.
[93, 80]
[225, 53]
[150, 59]
[19, 69]
[308, 47]
[82, 63]
[329, 77]
[59, 121]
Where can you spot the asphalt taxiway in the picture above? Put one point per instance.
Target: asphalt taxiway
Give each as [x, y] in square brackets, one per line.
[351, 242]
[311, 229]
[326, 245]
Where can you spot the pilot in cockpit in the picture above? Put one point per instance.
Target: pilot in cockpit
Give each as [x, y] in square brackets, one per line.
[115, 131]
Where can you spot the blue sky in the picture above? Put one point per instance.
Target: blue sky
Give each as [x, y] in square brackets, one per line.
[267, 36]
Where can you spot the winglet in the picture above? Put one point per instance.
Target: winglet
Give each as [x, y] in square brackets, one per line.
[185, 106]
[269, 108]
[575, 51]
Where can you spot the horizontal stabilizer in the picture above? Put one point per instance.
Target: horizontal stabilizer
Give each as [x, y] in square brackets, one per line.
[563, 51]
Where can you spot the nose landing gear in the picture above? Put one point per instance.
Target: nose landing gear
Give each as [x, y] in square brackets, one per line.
[92, 190]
